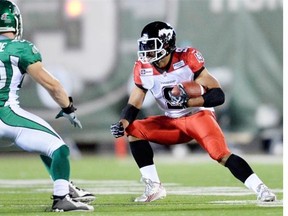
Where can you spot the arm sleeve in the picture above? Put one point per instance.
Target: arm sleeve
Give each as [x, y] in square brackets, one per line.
[137, 79]
[213, 97]
[194, 60]
[30, 56]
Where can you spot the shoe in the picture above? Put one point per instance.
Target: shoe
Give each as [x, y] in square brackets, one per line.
[79, 194]
[264, 194]
[153, 191]
[63, 204]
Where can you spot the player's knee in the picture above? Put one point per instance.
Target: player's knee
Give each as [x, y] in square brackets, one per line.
[223, 159]
[217, 149]
[220, 157]
[133, 138]
[62, 151]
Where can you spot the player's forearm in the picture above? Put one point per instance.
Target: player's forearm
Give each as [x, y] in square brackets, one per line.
[59, 95]
[212, 98]
[50, 83]
[129, 114]
[195, 102]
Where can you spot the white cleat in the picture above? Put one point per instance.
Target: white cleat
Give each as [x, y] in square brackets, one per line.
[79, 194]
[264, 194]
[153, 191]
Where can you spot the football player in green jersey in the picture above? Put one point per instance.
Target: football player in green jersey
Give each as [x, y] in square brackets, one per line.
[28, 131]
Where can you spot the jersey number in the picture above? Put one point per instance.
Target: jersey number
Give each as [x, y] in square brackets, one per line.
[3, 76]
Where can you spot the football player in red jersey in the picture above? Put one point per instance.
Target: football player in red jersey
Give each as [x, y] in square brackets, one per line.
[161, 66]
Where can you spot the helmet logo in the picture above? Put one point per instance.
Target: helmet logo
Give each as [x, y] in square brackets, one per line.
[35, 50]
[5, 18]
[144, 38]
[166, 32]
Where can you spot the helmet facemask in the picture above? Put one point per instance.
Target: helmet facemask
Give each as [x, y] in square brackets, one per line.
[19, 23]
[150, 50]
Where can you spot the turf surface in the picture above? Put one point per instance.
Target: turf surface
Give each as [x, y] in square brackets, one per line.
[195, 186]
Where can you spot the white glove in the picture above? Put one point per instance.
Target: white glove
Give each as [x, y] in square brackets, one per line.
[71, 117]
[117, 129]
[69, 113]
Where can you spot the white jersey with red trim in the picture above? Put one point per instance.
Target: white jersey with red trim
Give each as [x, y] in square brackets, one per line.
[185, 62]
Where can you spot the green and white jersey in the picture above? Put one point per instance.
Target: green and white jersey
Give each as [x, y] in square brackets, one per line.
[15, 57]
[26, 130]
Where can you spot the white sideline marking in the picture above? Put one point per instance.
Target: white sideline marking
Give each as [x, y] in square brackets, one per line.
[277, 203]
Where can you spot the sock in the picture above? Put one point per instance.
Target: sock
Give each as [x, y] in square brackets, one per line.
[60, 165]
[238, 167]
[142, 153]
[252, 182]
[61, 187]
[47, 162]
[150, 172]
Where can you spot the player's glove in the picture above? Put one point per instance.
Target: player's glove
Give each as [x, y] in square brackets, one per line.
[180, 100]
[69, 113]
[117, 129]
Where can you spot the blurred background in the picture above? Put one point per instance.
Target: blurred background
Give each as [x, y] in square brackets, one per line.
[91, 46]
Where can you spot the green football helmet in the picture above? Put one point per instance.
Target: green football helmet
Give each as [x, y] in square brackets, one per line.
[10, 18]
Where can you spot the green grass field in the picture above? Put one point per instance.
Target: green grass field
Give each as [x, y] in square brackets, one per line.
[197, 187]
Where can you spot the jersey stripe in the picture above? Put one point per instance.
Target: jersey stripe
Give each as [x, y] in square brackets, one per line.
[9, 117]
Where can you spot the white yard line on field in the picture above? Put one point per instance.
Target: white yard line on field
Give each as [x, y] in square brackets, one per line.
[277, 203]
[130, 187]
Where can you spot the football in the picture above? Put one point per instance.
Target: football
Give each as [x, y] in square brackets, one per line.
[192, 88]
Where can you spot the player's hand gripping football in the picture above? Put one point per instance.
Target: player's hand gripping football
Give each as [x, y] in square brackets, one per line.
[117, 129]
[181, 99]
[69, 113]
